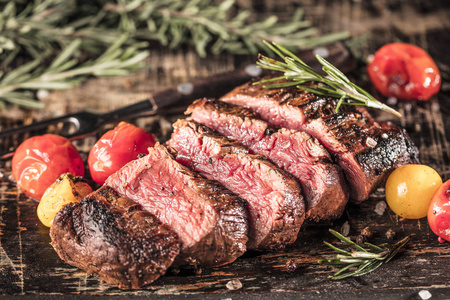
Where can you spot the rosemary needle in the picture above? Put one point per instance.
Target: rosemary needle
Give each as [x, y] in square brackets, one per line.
[360, 261]
[335, 84]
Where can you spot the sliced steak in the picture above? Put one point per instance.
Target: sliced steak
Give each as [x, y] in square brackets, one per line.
[212, 223]
[298, 153]
[345, 134]
[274, 197]
[115, 239]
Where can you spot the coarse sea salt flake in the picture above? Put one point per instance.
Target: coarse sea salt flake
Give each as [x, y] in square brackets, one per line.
[380, 208]
[234, 284]
[345, 229]
[322, 51]
[425, 295]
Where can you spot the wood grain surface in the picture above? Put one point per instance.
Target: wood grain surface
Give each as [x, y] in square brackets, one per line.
[30, 267]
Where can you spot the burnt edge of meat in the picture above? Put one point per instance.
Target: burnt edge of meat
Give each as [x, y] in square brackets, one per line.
[344, 134]
[322, 181]
[390, 149]
[347, 125]
[285, 229]
[228, 238]
[223, 107]
[112, 237]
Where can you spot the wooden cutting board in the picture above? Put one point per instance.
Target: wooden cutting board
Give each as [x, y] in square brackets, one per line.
[29, 265]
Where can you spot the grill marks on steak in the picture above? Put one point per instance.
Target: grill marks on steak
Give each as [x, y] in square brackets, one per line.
[296, 152]
[115, 239]
[212, 223]
[274, 197]
[347, 134]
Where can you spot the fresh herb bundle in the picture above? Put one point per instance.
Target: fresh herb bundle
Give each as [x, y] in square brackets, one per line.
[33, 33]
[296, 72]
[360, 261]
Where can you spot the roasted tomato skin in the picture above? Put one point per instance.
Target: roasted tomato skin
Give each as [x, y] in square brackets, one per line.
[404, 71]
[116, 148]
[39, 160]
[439, 212]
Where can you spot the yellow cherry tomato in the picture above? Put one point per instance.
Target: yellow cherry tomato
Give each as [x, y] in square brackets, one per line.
[64, 190]
[409, 190]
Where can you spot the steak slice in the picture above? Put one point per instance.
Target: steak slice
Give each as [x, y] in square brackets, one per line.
[212, 223]
[346, 134]
[296, 152]
[112, 237]
[274, 197]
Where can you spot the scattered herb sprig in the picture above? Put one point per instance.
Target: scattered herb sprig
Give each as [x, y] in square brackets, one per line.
[33, 33]
[66, 71]
[296, 72]
[359, 260]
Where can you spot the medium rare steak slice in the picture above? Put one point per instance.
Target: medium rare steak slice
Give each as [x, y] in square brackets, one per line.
[212, 223]
[274, 197]
[112, 237]
[298, 153]
[344, 134]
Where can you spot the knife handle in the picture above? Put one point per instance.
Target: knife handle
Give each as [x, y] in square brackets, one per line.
[217, 85]
[183, 94]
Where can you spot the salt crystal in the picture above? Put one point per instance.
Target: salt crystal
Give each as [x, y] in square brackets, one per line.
[417, 127]
[42, 94]
[322, 51]
[253, 70]
[345, 229]
[425, 295]
[370, 142]
[234, 284]
[408, 106]
[391, 101]
[185, 88]
[380, 208]
[435, 107]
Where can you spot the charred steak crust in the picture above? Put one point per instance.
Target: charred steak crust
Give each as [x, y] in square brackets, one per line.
[391, 148]
[344, 134]
[115, 239]
[212, 222]
[296, 152]
[274, 197]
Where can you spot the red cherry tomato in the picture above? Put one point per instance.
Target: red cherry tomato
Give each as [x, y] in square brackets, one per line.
[439, 212]
[116, 148]
[404, 71]
[39, 160]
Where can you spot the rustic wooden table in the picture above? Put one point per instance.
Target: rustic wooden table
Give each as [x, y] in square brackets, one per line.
[29, 266]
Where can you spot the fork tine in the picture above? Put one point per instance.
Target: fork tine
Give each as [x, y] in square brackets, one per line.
[35, 126]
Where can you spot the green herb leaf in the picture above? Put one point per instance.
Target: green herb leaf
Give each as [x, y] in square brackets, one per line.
[360, 261]
[57, 43]
[336, 84]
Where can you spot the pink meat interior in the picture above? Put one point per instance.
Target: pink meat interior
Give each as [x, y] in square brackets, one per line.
[165, 188]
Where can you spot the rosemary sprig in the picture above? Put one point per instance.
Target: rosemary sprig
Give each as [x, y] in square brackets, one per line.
[33, 33]
[66, 71]
[335, 84]
[42, 25]
[359, 260]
